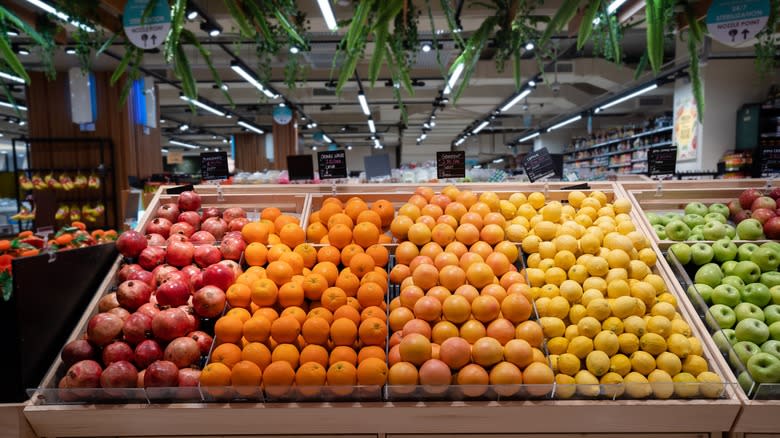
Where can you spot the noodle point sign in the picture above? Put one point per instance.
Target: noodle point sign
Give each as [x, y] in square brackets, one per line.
[736, 22]
[150, 32]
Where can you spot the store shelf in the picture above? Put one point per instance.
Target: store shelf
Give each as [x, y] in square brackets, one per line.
[618, 140]
[641, 148]
[617, 166]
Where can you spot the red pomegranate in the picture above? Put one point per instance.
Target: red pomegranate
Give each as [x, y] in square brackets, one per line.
[179, 254]
[154, 239]
[173, 292]
[130, 243]
[189, 377]
[168, 211]
[127, 270]
[209, 302]
[208, 212]
[104, 328]
[120, 312]
[237, 224]
[147, 352]
[121, 374]
[191, 317]
[84, 374]
[149, 309]
[216, 226]
[117, 351]
[183, 228]
[233, 213]
[191, 218]
[137, 328]
[161, 374]
[202, 237]
[203, 339]
[133, 294]
[170, 324]
[183, 352]
[189, 201]
[159, 226]
[143, 276]
[151, 257]
[108, 302]
[207, 255]
[78, 350]
[219, 275]
[234, 266]
[232, 248]
[176, 238]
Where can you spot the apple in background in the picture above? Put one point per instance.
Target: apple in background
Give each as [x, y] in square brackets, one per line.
[763, 215]
[168, 211]
[771, 245]
[766, 259]
[202, 237]
[750, 229]
[703, 290]
[721, 316]
[151, 257]
[763, 202]
[668, 217]
[208, 212]
[160, 226]
[770, 279]
[207, 255]
[696, 237]
[733, 280]
[131, 243]
[677, 230]
[724, 339]
[189, 201]
[682, 252]
[719, 208]
[731, 231]
[734, 207]
[696, 208]
[714, 230]
[725, 294]
[772, 313]
[660, 231]
[741, 352]
[742, 216]
[653, 218]
[701, 253]
[748, 311]
[764, 367]
[775, 193]
[756, 294]
[692, 220]
[154, 239]
[747, 197]
[749, 272]
[774, 330]
[772, 227]
[715, 217]
[218, 275]
[183, 228]
[745, 251]
[709, 274]
[772, 347]
[724, 250]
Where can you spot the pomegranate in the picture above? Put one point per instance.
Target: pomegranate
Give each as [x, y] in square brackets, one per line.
[161, 374]
[121, 374]
[179, 254]
[216, 226]
[161, 273]
[137, 328]
[143, 276]
[237, 224]
[132, 294]
[232, 235]
[208, 212]
[176, 238]
[203, 339]
[170, 324]
[202, 237]
[233, 213]
[207, 255]
[120, 312]
[159, 226]
[108, 302]
[126, 270]
[189, 377]
[154, 239]
[147, 352]
[235, 267]
[117, 351]
[151, 257]
[84, 374]
[189, 201]
[209, 302]
[173, 292]
[149, 309]
[104, 328]
[168, 211]
[78, 350]
[232, 248]
[219, 275]
[191, 318]
[184, 228]
[131, 243]
[191, 218]
[183, 352]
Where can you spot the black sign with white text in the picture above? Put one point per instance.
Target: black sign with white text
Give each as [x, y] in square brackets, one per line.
[332, 164]
[451, 164]
[213, 166]
[661, 161]
[538, 165]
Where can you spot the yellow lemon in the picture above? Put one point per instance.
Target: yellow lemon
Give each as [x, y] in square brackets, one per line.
[606, 211]
[552, 211]
[662, 384]
[694, 364]
[711, 384]
[555, 275]
[587, 384]
[565, 386]
[618, 289]
[533, 260]
[590, 295]
[637, 385]
[507, 209]
[547, 250]
[588, 326]
[668, 362]
[576, 313]
[666, 297]
[531, 244]
[545, 230]
[652, 343]
[663, 309]
[600, 196]
[657, 282]
[517, 199]
[543, 305]
[696, 347]
[613, 324]
[660, 325]
[637, 269]
[578, 273]
[599, 309]
[622, 205]
[679, 345]
[612, 385]
[583, 219]
[590, 203]
[642, 362]
[648, 256]
[616, 274]
[536, 200]
[580, 346]
[620, 364]
[571, 332]
[568, 364]
[643, 291]
[557, 345]
[590, 243]
[571, 291]
[615, 240]
[597, 362]
[535, 276]
[559, 307]
[629, 343]
[607, 342]
[617, 258]
[516, 232]
[545, 263]
[551, 326]
[527, 211]
[625, 226]
[639, 240]
[635, 325]
[597, 267]
[685, 385]
[575, 198]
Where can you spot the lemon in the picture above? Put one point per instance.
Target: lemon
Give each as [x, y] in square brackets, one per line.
[637, 269]
[639, 240]
[643, 291]
[571, 291]
[648, 256]
[507, 209]
[545, 230]
[614, 240]
[679, 345]
[598, 232]
[590, 295]
[547, 250]
[591, 203]
[637, 385]
[565, 386]
[634, 325]
[564, 259]
[580, 346]
[595, 283]
[527, 211]
[583, 260]
[652, 343]
[568, 364]
[662, 384]
[711, 384]
[668, 362]
[685, 385]
[521, 220]
[545, 263]
[616, 274]
[599, 309]
[663, 309]
[533, 260]
[590, 243]
[622, 217]
[555, 275]
[694, 364]
[612, 384]
[517, 199]
[575, 198]
[660, 325]
[558, 307]
[624, 306]
[583, 219]
[536, 292]
[553, 360]
[542, 306]
[571, 332]
[620, 364]
[617, 258]
[613, 324]
[549, 290]
[552, 211]
[624, 226]
[535, 276]
[607, 342]
[588, 326]
[571, 229]
[641, 309]
[666, 297]
[557, 345]
[515, 232]
[489, 198]
[551, 326]
[696, 347]
[597, 363]
[642, 362]
[536, 200]
[622, 205]
[531, 244]
[578, 273]
[587, 384]
[577, 312]
[603, 252]
[619, 288]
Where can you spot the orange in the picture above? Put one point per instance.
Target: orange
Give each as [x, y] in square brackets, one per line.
[240, 313]
[291, 294]
[379, 253]
[371, 351]
[276, 251]
[370, 294]
[246, 373]
[342, 374]
[314, 353]
[313, 286]
[431, 210]
[425, 276]
[315, 331]
[278, 377]
[308, 253]
[372, 371]
[328, 254]
[415, 348]
[239, 295]
[270, 213]
[419, 234]
[385, 210]
[516, 308]
[257, 329]
[348, 282]
[445, 259]
[283, 220]
[263, 292]
[455, 209]
[321, 312]
[479, 274]
[457, 248]
[330, 199]
[229, 329]
[279, 272]
[309, 377]
[400, 227]
[327, 210]
[472, 218]
[340, 218]
[268, 313]
[327, 270]
[402, 373]
[296, 312]
[531, 332]
[366, 234]
[431, 250]
[343, 353]
[227, 354]
[399, 273]
[427, 221]
[467, 234]
[360, 264]
[292, 235]
[348, 312]
[294, 260]
[452, 277]
[256, 254]
[287, 353]
[378, 276]
[333, 298]
[485, 308]
[257, 353]
[372, 217]
[405, 252]
[399, 317]
[373, 312]
[315, 231]
[348, 252]
[340, 236]
[417, 200]
[354, 207]
[215, 374]
[373, 331]
[255, 232]
[285, 329]
[314, 217]
[343, 332]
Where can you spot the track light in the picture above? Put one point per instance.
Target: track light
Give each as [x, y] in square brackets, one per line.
[211, 28]
[184, 145]
[251, 127]
[481, 126]
[12, 32]
[22, 50]
[184, 127]
[349, 148]
[327, 14]
[224, 141]
[202, 105]
[249, 77]
[427, 47]
[614, 6]
[460, 141]
[70, 51]
[564, 123]
[364, 103]
[326, 138]
[516, 99]
[192, 14]
[423, 136]
[294, 49]
[498, 160]
[371, 126]
[529, 46]
[163, 150]
[314, 148]
[10, 105]
[626, 97]
[59, 14]
[528, 137]
[454, 78]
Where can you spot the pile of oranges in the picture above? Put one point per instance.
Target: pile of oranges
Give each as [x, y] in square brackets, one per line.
[340, 223]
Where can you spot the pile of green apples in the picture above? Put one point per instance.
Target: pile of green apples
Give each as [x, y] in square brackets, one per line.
[700, 222]
[741, 287]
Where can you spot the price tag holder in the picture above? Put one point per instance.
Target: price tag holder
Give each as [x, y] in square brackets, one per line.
[451, 164]
[538, 165]
[661, 161]
[213, 166]
[332, 164]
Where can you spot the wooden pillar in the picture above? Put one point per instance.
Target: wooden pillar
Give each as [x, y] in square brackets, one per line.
[251, 153]
[285, 142]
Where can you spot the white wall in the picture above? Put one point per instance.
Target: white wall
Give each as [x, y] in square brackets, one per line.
[557, 140]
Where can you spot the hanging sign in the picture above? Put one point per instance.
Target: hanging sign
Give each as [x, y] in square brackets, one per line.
[332, 164]
[661, 161]
[736, 22]
[282, 115]
[451, 164]
[152, 32]
[538, 165]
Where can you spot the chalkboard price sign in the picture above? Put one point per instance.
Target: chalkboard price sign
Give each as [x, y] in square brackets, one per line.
[213, 166]
[300, 167]
[332, 164]
[661, 161]
[451, 164]
[769, 161]
[538, 165]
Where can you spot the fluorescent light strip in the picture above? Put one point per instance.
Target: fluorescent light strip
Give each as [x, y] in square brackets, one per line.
[200, 104]
[184, 145]
[327, 14]
[514, 101]
[251, 79]
[460, 141]
[614, 6]
[59, 14]
[165, 151]
[564, 123]
[364, 104]
[11, 77]
[481, 126]
[454, 78]
[423, 137]
[251, 127]
[326, 138]
[498, 160]
[10, 105]
[528, 137]
[627, 97]
[371, 126]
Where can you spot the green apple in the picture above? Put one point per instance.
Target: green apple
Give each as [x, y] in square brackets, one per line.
[696, 208]
[696, 237]
[721, 316]
[773, 245]
[715, 217]
[775, 292]
[741, 352]
[731, 232]
[719, 208]
[725, 250]
[774, 330]
[653, 218]
[660, 231]
[726, 295]
[709, 274]
[728, 267]
[677, 230]
[692, 220]
[748, 311]
[772, 347]
[735, 281]
[764, 367]
[770, 279]
[745, 251]
[697, 229]
[766, 259]
[745, 381]
[750, 229]
[772, 313]
[668, 217]
[749, 272]
[756, 293]
[752, 330]
[682, 252]
[702, 290]
[713, 231]
[701, 253]
[724, 339]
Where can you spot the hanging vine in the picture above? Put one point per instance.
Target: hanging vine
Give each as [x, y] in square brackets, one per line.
[766, 46]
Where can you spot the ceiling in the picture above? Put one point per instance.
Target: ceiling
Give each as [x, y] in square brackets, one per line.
[581, 79]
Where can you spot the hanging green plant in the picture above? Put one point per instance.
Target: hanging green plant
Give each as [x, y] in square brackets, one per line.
[766, 46]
